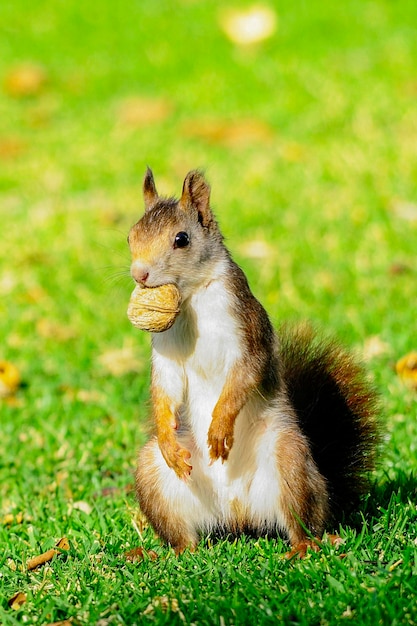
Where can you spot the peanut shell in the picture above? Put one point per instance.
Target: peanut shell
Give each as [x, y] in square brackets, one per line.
[154, 308]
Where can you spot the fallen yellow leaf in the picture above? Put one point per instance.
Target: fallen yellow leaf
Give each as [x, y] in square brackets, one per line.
[9, 379]
[137, 111]
[373, 347]
[11, 147]
[50, 329]
[17, 600]
[121, 361]
[80, 505]
[165, 604]
[234, 134]
[9, 519]
[25, 80]
[11, 565]
[45, 557]
[406, 369]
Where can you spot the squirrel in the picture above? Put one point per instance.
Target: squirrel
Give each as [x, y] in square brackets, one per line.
[259, 432]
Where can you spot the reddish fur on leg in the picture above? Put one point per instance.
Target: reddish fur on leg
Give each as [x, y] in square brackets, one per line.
[176, 457]
[164, 516]
[233, 397]
[304, 498]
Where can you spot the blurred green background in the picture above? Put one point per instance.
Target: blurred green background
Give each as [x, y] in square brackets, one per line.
[303, 116]
[308, 138]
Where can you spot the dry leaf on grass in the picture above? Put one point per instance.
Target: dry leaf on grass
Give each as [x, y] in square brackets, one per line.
[12, 565]
[10, 519]
[8, 283]
[257, 249]
[165, 604]
[82, 506]
[14, 402]
[50, 329]
[137, 112]
[41, 559]
[406, 369]
[121, 361]
[293, 152]
[90, 396]
[405, 210]
[234, 134]
[249, 26]
[36, 294]
[9, 379]
[138, 554]
[11, 147]
[374, 346]
[17, 600]
[86, 396]
[398, 268]
[25, 80]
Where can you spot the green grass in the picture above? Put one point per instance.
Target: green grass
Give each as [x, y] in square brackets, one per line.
[327, 193]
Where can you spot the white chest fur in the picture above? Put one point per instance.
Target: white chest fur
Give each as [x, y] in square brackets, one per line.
[191, 362]
[193, 358]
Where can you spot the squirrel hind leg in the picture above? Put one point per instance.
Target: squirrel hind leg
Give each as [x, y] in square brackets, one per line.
[303, 490]
[165, 500]
[300, 549]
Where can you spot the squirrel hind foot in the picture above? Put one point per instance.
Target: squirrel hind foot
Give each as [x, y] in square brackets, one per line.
[300, 549]
[182, 547]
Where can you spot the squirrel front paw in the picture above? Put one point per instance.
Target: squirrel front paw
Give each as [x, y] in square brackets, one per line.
[220, 441]
[176, 458]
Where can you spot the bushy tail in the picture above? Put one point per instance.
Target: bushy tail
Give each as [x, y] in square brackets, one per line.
[337, 410]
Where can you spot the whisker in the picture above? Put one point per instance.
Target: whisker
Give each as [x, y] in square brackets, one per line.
[114, 278]
[117, 284]
[109, 274]
[122, 250]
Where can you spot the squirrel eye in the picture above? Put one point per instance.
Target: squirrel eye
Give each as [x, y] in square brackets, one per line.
[181, 240]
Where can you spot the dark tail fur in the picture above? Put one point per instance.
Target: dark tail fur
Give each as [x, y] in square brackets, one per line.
[337, 410]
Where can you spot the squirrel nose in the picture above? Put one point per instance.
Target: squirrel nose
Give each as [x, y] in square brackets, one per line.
[140, 274]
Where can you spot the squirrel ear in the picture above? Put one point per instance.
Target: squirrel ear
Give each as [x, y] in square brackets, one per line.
[196, 193]
[150, 194]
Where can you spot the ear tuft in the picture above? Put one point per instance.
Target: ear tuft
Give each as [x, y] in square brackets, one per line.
[196, 193]
[150, 194]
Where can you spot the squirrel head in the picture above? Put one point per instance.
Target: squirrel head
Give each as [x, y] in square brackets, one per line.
[176, 241]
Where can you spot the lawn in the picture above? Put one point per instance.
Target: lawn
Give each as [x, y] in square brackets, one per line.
[309, 139]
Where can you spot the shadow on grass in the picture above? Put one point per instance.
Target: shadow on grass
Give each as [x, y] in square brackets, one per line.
[384, 495]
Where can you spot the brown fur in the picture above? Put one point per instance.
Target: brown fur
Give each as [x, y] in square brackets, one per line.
[336, 408]
[258, 335]
[323, 406]
[196, 194]
[150, 195]
[303, 489]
